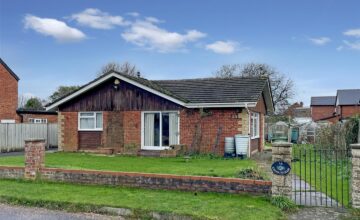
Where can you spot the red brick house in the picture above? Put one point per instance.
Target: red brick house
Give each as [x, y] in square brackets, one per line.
[120, 112]
[8, 94]
[323, 108]
[345, 104]
[9, 101]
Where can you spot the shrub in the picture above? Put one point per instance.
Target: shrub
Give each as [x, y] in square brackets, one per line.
[283, 203]
[249, 173]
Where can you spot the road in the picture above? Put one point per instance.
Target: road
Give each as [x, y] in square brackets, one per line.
[19, 213]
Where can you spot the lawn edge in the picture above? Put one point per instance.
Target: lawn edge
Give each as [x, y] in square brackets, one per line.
[91, 208]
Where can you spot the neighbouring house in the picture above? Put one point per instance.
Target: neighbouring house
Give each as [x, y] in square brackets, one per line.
[9, 112]
[37, 116]
[123, 113]
[323, 108]
[345, 104]
[8, 94]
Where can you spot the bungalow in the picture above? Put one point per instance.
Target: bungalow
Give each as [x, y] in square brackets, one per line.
[121, 112]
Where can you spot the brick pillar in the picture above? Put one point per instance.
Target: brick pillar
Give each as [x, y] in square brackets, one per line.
[34, 157]
[355, 177]
[281, 184]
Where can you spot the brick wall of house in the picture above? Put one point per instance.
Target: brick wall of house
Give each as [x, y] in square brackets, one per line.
[8, 95]
[321, 112]
[205, 132]
[68, 128]
[132, 129]
[25, 118]
[200, 131]
[349, 111]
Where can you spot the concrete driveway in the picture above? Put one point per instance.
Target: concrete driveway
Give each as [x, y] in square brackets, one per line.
[19, 213]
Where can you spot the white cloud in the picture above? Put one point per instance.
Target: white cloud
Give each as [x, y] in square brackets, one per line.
[352, 45]
[223, 47]
[95, 18]
[320, 41]
[352, 32]
[146, 34]
[54, 28]
[133, 14]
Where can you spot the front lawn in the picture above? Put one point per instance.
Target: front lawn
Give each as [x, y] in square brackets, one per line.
[200, 165]
[199, 205]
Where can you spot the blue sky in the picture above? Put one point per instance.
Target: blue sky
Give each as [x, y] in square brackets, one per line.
[52, 43]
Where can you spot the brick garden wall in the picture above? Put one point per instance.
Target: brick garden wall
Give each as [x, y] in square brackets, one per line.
[146, 180]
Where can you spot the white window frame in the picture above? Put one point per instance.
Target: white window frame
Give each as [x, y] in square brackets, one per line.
[143, 131]
[38, 120]
[255, 125]
[94, 117]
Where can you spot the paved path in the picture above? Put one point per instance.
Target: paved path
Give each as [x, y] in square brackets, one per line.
[304, 194]
[8, 212]
[321, 213]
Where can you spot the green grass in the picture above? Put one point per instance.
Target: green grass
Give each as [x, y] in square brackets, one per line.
[200, 165]
[200, 205]
[329, 181]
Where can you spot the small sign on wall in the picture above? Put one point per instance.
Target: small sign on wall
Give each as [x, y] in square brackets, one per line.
[280, 168]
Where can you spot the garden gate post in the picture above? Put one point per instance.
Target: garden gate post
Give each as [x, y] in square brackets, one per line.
[355, 177]
[34, 157]
[281, 183]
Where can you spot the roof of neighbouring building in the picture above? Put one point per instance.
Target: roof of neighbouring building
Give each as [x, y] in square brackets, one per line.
[348, 97]
[323, 101]
[302, 112]
[198, 92]
[35, 112]
[9, 70]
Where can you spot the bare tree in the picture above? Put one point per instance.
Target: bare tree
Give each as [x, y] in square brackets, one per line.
[125, 67]
[281, 85]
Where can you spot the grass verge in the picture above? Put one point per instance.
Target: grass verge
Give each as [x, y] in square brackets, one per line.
[73, 197]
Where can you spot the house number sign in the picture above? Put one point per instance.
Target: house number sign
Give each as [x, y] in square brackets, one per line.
[280, 168]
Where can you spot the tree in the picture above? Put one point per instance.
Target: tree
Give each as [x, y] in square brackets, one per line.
[34, 104]
[62, 91]
[125, 67]
[282, 86]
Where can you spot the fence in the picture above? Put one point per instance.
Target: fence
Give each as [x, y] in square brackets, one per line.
[12, 136]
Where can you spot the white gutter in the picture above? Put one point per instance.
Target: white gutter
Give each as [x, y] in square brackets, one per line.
[221, 105]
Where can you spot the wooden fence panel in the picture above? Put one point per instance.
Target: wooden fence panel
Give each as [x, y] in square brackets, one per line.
[12, 136]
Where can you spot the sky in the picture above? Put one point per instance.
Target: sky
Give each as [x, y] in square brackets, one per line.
[52, 43]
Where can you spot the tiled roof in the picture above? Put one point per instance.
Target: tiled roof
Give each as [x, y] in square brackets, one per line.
[216, 90]
[348, 96]
[9, 70]
[323, 100]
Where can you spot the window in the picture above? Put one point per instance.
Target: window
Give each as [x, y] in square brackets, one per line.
[90, 121]
[38, 120]
[160, 129]
[255, 125]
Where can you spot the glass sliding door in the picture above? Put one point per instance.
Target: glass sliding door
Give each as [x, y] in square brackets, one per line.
[160, 130]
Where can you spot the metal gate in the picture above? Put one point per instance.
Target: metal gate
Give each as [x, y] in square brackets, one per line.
[321, 177]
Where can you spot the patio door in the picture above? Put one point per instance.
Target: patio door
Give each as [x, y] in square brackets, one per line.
[160, 130]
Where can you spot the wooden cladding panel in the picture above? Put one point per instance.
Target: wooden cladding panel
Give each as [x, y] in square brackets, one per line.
[89, 139]
[126, 98]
